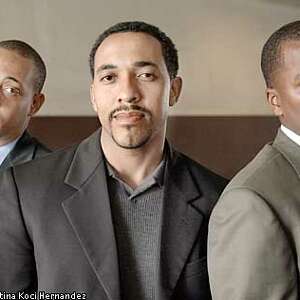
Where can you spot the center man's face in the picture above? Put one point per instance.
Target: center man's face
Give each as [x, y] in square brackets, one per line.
[131, 91]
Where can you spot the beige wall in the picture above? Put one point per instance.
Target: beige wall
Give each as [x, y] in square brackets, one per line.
[219, 44]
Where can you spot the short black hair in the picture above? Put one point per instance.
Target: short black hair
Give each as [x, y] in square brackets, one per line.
[25, 50]
[169, 50]
[271, 57]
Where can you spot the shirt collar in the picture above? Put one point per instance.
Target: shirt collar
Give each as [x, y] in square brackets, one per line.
[6, 149]
[157, 175]
[291, 134]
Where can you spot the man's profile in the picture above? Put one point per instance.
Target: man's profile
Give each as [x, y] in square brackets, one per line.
[22, 76]
[121, 215]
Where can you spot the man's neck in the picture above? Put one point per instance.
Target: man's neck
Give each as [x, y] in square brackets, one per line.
[134, 165]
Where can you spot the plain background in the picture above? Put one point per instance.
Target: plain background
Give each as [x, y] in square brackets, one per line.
[219, 44]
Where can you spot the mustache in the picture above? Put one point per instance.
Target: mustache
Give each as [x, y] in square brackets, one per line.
[128, 108]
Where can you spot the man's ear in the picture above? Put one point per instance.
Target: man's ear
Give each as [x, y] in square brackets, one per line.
[274, 101]
[37, 102]
[92, 98]
[176, 85]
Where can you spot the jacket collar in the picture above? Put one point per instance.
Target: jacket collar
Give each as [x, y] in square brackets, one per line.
[23, 151]
[183, 214]
[89, 213]
[85, 161]
[289, 149]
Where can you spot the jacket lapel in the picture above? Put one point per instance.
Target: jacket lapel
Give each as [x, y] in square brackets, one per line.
[181, 223]
[88, 211]
[288, 149]
[22, 152]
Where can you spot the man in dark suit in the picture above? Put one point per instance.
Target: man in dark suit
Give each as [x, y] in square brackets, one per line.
[254, 232]
[22, 76]
[122, 215]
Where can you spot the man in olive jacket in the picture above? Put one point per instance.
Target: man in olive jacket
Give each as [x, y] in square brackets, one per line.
[254, 232]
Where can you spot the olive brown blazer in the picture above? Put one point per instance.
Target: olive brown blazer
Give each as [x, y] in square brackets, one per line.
[254, 231]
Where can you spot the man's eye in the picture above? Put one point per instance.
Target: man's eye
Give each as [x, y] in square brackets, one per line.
[108, 78]
[147, 76]
[11, 91]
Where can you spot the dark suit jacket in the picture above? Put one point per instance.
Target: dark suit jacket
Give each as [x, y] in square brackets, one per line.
[26, 149]
[56, 229]
[254, 232]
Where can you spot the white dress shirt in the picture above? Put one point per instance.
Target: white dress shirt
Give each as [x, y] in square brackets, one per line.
[5, 149]
[291, 134]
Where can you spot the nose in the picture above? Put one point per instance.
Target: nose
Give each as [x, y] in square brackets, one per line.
[129, 90]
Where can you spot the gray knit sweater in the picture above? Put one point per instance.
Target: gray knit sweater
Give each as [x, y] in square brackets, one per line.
[137, 222]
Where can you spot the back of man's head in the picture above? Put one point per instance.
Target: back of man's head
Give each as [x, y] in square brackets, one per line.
[271, 58]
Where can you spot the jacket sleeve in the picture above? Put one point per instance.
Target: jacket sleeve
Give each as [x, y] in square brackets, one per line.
[249, 255]
[17, 267]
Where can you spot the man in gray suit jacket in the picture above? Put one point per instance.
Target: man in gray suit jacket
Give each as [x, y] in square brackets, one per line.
[254, 232]
[22, 76]
[26, 148]
[122, 215]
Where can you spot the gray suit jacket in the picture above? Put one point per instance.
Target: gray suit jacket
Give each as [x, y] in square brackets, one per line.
[56, 229]
[26, 149]
[254, 231]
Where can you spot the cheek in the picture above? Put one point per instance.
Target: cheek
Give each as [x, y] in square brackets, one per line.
[99, 102]
[102, 107]
[165, 101]
[158, 97]
[103, 96]
[13, 115]
[13, 108]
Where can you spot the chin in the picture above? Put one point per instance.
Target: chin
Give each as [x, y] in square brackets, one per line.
[131, 138]
[130, 142]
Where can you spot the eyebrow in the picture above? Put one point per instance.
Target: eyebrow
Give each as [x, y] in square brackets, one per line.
[12, 78]
[142, 63]
[105, 67]
[138, 64]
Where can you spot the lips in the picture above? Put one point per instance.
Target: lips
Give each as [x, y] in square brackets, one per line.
[129, 116]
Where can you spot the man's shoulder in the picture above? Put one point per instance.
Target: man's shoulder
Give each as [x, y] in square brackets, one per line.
[52, 168]
[268, 171]
[26, 149]
[27, 140]
[40, 149]
[37, 175]
[200, 173]
[53, 160]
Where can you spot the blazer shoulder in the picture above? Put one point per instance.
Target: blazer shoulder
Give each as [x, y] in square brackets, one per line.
[40, 148]
[50, 172]
[44, 167]
[268, 171]
[202, 175]
[26, 149]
